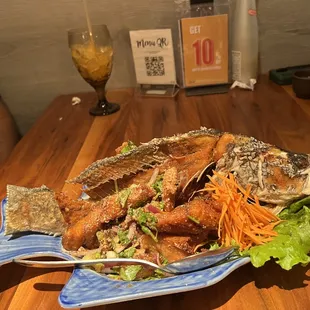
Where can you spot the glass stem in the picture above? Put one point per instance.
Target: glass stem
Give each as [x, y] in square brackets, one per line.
[102, 100]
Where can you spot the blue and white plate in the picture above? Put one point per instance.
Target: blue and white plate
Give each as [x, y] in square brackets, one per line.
[86, 288]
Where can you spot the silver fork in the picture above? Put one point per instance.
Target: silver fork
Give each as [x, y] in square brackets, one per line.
[188, 264]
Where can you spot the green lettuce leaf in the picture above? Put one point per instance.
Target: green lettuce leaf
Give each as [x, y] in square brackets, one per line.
[129, 273]
[292, 244]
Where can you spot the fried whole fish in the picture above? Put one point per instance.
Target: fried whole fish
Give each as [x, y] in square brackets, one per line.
[277, 177]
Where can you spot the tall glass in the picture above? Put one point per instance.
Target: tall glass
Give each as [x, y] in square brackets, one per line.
[93, 57]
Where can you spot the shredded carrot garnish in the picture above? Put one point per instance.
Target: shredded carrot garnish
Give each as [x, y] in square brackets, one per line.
[243, 220]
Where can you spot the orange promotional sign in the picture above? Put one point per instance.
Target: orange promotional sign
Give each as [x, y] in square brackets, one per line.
[205, 50]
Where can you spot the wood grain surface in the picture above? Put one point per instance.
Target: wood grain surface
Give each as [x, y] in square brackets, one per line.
[66, 139]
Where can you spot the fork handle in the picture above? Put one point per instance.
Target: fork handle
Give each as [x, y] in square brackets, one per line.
[108, 263]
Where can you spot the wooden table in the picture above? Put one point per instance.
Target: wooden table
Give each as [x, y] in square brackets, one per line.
[66, 139]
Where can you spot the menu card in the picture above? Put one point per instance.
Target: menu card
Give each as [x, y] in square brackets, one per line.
[153, 56]
[205, 50]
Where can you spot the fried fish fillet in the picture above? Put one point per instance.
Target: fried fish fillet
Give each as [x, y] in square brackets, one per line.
[198, 216]
[276, 176]
[74, 210]
[170, 247]
[83, 232]
[186, 243]
[170, 187]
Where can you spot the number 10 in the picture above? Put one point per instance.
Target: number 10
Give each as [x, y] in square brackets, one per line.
[204, 52]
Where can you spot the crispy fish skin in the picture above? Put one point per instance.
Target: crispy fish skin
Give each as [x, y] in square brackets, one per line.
[198, 216]
[181, 169]
[144, 157]
[33, 210]
[84, 231]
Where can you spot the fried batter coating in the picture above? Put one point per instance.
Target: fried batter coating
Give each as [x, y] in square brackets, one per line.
[73, 210]
[196, 217]
[186, 243]
[170, 187]
[83, 232]
[170, 248]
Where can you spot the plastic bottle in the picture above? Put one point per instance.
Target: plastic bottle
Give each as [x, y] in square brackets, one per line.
[245, 44]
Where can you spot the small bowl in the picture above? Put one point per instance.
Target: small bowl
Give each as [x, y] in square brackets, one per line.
[301, 84]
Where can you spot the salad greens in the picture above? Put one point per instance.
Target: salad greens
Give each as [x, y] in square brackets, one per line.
[129, 273]
[123, 196]
[128, 253]
[146, 220]
[143, 218]
[158, 184]
[292, 244]
[147, 231]
[123, 237]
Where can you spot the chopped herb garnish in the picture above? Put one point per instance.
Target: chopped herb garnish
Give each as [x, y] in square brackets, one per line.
[164, 260]
[147, 231]
[144, 218]
[161, 205]
[128, 147]
[156, 196]
[123, 196]
[158, 184]
[128, 253]
[129, 273]
[159, 273]
[130, 211]
[96, 255]
[123, 237]
[100, 236]
[116, 269]
[193, 219]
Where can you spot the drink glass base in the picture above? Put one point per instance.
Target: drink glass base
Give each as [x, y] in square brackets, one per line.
[104, 109]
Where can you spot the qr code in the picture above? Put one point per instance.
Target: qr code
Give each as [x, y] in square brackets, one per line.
[155, 66]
